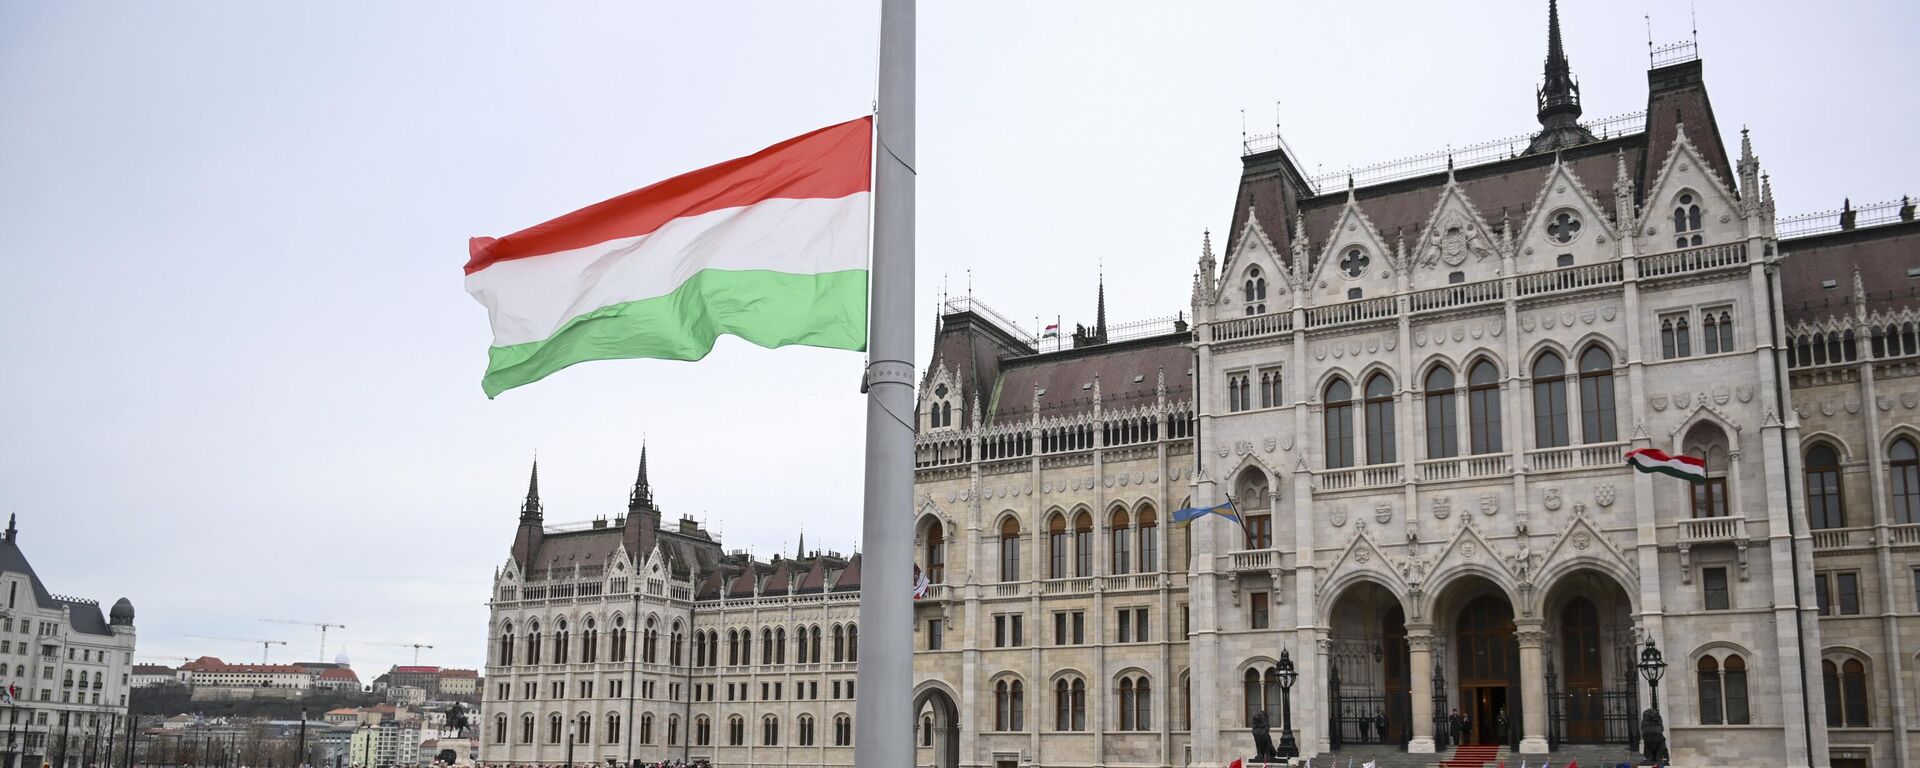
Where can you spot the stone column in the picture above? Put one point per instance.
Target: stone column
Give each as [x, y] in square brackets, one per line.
[1532, 637]
[1420, 686]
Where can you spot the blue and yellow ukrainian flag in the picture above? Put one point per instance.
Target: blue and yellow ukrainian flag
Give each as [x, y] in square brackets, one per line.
[1224, 509]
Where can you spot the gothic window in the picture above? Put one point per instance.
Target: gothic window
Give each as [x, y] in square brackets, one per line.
[804, 725]
[839, 643]
[590, 643]
[1009, 549]
[1057, 546]
[1083, 544]
[553, 728]
[673, 730]
[1255, 507]
[506, 644]
[936, 560]
[1825, 506]
[647, 642]
[736, 731]
[533, 643]
[1483, 407]
[1070, 705]
[1564, 227]
[770, 731]
[1354, 262]
[1597, 418]
[1443, 428]
[843, 731]
[1270, 389]
[702, 731]
[1008, 707]
[583, 730]
[699, 649]
[1903, 475]
[618, 651]
[1716, 331]
[500, 729]
[1379, 408]
[1686, 221]
[1149, 545]
[766, 646]
[815, 632]
[1549, 401]
[779, 648]
[1338, 418]
[853, 642]
[1135, 699]
[1121, 554]
[674, 643]
[1239, 392]
[561, 642]
[526, 728]
[1846, 689]
[1675, 341]
[1256, 292]
[1722, 690]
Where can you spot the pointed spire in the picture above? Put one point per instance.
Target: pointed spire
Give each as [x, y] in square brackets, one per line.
[1100, 307]
[13, 532]
[1558, 96]
[642, 495]
[531, 509]
[800, 552]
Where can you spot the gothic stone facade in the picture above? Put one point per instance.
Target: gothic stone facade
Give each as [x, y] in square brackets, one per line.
[635, 641]
[1418, 395]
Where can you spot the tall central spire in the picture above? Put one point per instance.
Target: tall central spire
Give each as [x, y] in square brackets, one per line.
[531, 509]
[642, 489]
[1558, 98]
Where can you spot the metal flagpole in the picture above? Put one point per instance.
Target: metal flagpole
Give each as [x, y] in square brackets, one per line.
[884, 716]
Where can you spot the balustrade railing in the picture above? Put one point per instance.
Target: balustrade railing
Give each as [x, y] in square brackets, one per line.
[1569, 279]
[1009, 589]
[1838, 538]
[1359, 477]
[1066, 586]
[1250, 327]
[1457, 296]
[1699, 530]
[1904, 534]
[1383, 308]
[1693, 260]
[1489, 465]
[1133, 582]
[1577, 457]
[1255, 559]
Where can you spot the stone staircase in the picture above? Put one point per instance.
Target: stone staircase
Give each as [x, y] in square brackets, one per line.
[1478, 756]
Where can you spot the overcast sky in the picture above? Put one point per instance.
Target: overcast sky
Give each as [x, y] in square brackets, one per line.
[241, 375]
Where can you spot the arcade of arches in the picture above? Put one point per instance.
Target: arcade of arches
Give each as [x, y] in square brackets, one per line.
[1477, 671]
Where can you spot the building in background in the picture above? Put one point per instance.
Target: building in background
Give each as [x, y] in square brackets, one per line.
[69, 667]
[211, 672]
[337, 679]
[153, 674]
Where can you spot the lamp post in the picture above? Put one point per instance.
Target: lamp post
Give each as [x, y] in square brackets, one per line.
[1652, 667]
[572, 727]
[1652, 730]
[1287, 746]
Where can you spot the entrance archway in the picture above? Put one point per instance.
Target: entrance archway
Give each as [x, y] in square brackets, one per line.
[936, 735]
[1476, 671]
[1369, 698]
[1592, 681]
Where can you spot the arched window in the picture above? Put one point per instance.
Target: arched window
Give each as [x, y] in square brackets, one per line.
[506, 644]
[1903, 477]
[1009, 707]
[562, 640]
[1255, 292]
[699, 649]
[674, 643]
[526, 728]
[1136, 704]
[1149, 543]
[936, 552]
[853, 642]
[1846, 689]
[1716, 331]
[619, 650]
[648, 637]
[713, 648]
[1825, 506]
[1083, 544]
[1069, 705]
[1597, 419]
[533, 642]
[1126, 704]
[673, 730]
[1057, 546]
[553, 728]
[1253, 695]
[839, 643]
[613, 728]
[804, 727]
[770, 731]
[1121, 554]
[590, 642]
[733, 647]
[1483, 407]
[767, 646]
[736, 731]
[1686, 221]
[1723, 690]
[1549, 401]
[500, 728]
[1443, 420]
[800, 645]
[583, 733]
[1338, 418]
[843, 730]
[1379, 413]
[1010, 549]
[702, 731]
[780, 645]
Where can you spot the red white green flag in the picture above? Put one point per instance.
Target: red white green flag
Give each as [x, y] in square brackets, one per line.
[1689, 468]
[771, 247]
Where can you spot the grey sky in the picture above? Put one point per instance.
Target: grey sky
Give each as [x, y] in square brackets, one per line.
[242, 376]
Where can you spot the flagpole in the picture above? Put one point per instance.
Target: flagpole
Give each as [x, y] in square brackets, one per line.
[884, 709]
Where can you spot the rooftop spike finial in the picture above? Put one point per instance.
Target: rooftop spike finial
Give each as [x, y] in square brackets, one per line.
[1100, 306]
[531, 508]
[1558, 97]
[642, 487]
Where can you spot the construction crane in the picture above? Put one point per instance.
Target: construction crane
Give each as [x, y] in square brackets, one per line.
[265, 645]
[324, 626]
[415, 646]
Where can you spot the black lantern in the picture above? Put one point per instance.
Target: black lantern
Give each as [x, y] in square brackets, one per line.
[1287, 746]
[1652, 667]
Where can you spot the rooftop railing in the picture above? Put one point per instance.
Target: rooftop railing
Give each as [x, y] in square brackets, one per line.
[1435, 162]
[1850, 217]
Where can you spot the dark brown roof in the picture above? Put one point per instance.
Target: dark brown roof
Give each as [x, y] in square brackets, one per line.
[849, 579]
[1129, 372]
[1883, 254]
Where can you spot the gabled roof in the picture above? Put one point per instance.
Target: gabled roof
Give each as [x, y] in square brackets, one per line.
[849, 578]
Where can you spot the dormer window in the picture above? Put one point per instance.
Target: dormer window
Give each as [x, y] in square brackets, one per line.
[1686, 221]
[1354, 262]
[1564, 227]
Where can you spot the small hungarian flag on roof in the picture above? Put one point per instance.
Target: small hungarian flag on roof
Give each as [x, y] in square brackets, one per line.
[771, 247]
[1689, 468]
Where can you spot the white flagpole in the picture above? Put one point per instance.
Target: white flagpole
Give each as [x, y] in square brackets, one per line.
[883, 735]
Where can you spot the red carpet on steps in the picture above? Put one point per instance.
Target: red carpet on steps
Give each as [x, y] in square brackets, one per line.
[1473, 756]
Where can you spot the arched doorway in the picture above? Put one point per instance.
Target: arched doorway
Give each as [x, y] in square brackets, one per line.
[1476, 675]
[1368, 691]
[1592, 681]
[936, 735]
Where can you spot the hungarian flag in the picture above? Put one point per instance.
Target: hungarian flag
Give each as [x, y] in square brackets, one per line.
[921, 584]
[771, 247]
[1687, 468]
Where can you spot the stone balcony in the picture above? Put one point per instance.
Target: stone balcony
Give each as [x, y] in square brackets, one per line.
[1464, 467]
[1254, 559]
[1713, 530]
[1572, 457]
[1376, 476]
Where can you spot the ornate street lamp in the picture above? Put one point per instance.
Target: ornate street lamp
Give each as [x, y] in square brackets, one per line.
[1652, 667]
[1287, 746]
